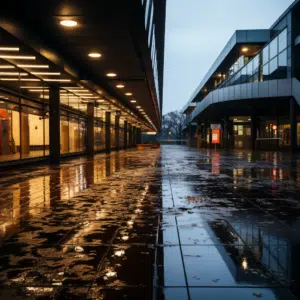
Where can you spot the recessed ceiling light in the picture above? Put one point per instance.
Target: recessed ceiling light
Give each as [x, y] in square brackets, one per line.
[7, 67]
[138, 106]
[120, 86]
[128, 94]
[108, 74]
[95, 54]
[59, 80]
[13, 74]
[9, 48]
[33, 66]
[133, 101]
[46, 73]
[68, 23]
[17, 57]
[245, 49]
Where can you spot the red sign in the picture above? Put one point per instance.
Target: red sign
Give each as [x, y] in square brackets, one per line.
[215, 136]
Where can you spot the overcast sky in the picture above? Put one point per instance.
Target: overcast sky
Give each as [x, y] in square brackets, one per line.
[197, 31]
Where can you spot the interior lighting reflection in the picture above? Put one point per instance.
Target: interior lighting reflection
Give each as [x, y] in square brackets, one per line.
[245, 264]
[125, 237]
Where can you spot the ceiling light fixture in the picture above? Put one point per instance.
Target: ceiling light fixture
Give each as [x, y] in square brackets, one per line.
[120, 86]
[59, 80]
[95, 54]
[39, 90]
[13, 74]
[7, 67]
[128, 94]
[133, 101]
[19, 79]
[34, 66]
[245, 49]
[108, 74]
[17, 57]
[68, 23]
[9, 48]
[46, 73]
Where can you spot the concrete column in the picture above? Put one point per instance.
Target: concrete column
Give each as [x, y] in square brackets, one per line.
[125, 134]
[90, 129]
[133, 136]
[130, 135]
[210, 137]
[107, 131]
[225, 133]
[139, 136]
[293, 122]
[117, 133]
[54, 125]
[253, 131]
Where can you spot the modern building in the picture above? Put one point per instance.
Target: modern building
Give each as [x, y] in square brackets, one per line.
[250, 97]
[78, 77]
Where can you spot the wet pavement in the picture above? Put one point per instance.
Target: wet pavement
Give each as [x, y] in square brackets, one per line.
[169, 223]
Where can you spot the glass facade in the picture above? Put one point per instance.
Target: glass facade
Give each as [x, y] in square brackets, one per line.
[268, 64]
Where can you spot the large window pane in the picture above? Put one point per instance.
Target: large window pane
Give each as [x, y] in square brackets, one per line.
[274, 48]
[64, 134]
[266, 55]
[282, 61]
[73, 135]
[266, 70]
[82, 135]
[256, 64]
[249, 68]
[282, 40]
[273, 65]
[36, 132]
[9, 131]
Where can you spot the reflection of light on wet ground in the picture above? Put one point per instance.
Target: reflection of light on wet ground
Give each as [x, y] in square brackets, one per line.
[100, 224]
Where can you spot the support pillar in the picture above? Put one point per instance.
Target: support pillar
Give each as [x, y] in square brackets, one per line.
[133, 136]
[139, 136]
[293, 122]
[90, 129]
[125, 134]
[107, 131]
[54, 125]
[253, 131]
[130, 135]
[225, 133]
[210, 137]
[117, 134]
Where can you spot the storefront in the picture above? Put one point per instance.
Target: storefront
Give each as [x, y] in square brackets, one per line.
[24, 129]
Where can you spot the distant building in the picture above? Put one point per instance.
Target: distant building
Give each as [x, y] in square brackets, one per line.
[252, 91]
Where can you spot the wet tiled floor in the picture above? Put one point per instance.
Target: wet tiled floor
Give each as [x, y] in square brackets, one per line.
[169, 223]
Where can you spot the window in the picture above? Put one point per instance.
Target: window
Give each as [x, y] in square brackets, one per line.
[282, 40]
[274, 48]
[266, 70]
[266, 55]
[273, 65]
[256, 63]
[9, 131]
[250, 69]
[282, 60]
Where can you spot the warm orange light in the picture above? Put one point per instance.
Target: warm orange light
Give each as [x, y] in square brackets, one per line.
[120, 86]
[68, 23]
[95, 54]
[128, 94]
[111, 74]
[245, 49]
